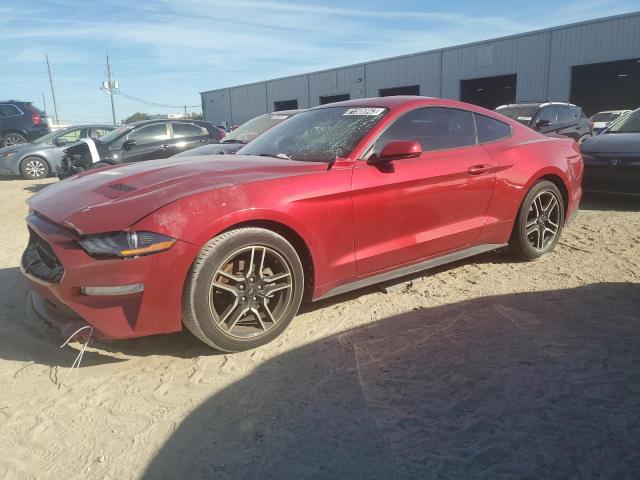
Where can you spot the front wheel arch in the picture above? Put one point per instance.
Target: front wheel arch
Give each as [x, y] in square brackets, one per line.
[296, 240]
[38, 157]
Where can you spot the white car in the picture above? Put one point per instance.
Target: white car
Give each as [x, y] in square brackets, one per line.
[603, 120]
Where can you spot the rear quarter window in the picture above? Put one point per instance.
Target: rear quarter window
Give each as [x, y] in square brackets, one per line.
[9, 110]
[491, 130]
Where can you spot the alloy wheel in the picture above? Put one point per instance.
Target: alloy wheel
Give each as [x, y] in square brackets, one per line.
[12, 139]
[35, 169]
[251, 292]
[543, 220]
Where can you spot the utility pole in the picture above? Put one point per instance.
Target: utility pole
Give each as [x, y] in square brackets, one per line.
[185, 111]
[53, 94]
[44, 103]
[111, 85]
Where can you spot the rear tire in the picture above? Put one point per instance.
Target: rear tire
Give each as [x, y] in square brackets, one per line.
[244, 288]
[539, 222]
[34, 168]
[13, 139]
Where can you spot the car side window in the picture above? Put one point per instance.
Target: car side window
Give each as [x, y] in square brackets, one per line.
[71, 136]
[434, 128]
[182, 130]
[7, 110]
[549, 114]
[99, 132]
[149, 134]
[490, 129]
[565, 114]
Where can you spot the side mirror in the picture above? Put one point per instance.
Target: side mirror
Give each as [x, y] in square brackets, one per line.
[129, 144]
[60, 142]
[395, 150]
[543, 123]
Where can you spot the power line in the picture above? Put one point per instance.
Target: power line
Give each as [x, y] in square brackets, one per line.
[150, 103]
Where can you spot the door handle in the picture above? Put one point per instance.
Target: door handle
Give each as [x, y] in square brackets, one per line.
[167, 146]
[479, 169]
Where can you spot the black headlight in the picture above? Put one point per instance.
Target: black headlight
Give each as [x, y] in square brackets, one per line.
[125, 244]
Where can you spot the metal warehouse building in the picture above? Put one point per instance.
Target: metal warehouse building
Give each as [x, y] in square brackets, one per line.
[594, 64]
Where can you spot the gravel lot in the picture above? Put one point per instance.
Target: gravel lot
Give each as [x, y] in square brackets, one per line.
[486, 368]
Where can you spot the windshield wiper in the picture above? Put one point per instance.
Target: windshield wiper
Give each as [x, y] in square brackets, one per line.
[281, 156]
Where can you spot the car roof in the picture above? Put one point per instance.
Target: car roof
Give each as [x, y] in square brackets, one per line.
[89, 125]
[613, 111]
[536, 104]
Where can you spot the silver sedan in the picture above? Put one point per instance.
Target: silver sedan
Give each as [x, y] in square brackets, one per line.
[42, 157]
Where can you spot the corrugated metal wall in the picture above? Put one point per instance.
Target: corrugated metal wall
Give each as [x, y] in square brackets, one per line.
[525, 56]
[290, 88]
[347, 80]
[542, 61]
[421, 69]
[247, 101]
[615, 39]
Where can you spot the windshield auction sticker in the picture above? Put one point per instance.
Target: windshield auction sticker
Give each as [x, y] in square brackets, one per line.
[369, 112]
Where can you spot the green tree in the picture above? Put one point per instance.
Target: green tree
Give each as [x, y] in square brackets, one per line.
[136, 117]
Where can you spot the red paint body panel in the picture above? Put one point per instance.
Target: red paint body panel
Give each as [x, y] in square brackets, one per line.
[355, 219]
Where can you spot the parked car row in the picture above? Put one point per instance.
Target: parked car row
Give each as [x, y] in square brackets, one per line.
[41, 157]
[551, 118]
[137, 141]
[332, 199]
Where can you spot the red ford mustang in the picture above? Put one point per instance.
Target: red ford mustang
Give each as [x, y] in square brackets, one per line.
[336, 198]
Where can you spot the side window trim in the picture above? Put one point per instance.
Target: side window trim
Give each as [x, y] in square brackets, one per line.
[369, 150]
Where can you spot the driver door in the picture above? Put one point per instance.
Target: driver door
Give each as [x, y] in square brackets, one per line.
[415, 208]
[151, 142]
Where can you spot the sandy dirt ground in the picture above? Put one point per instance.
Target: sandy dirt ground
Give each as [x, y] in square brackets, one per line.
[483, 369]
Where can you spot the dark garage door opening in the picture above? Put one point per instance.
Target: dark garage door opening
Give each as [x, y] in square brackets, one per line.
[489, 92]
[334, 98]
[391, 92]
[606, 86]
[285, 105]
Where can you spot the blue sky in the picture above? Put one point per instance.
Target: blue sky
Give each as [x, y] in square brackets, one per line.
[168, 51]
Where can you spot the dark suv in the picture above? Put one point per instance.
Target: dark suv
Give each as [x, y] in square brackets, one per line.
[134, 142]
[20, 122]
[551, 118]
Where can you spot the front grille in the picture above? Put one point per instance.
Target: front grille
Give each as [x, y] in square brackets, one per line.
[40, 261]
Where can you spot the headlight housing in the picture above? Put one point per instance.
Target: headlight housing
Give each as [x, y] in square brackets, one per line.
[125, 244]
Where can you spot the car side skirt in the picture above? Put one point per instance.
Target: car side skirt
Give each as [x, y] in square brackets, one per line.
[410, 269]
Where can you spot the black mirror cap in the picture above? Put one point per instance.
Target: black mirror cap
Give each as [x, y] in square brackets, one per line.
[129, 144]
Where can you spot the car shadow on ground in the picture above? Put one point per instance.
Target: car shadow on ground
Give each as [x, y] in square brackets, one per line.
[602, 202]
[530, 385]
[37, 187]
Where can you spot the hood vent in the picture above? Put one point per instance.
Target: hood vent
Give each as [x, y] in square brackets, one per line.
[121, 187]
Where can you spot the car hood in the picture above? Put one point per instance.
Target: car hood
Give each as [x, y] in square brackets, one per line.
[612, 143]
[114, 198]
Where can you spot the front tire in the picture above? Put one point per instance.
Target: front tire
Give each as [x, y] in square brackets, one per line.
[34, 168]
[244, 288]
[539, 222]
